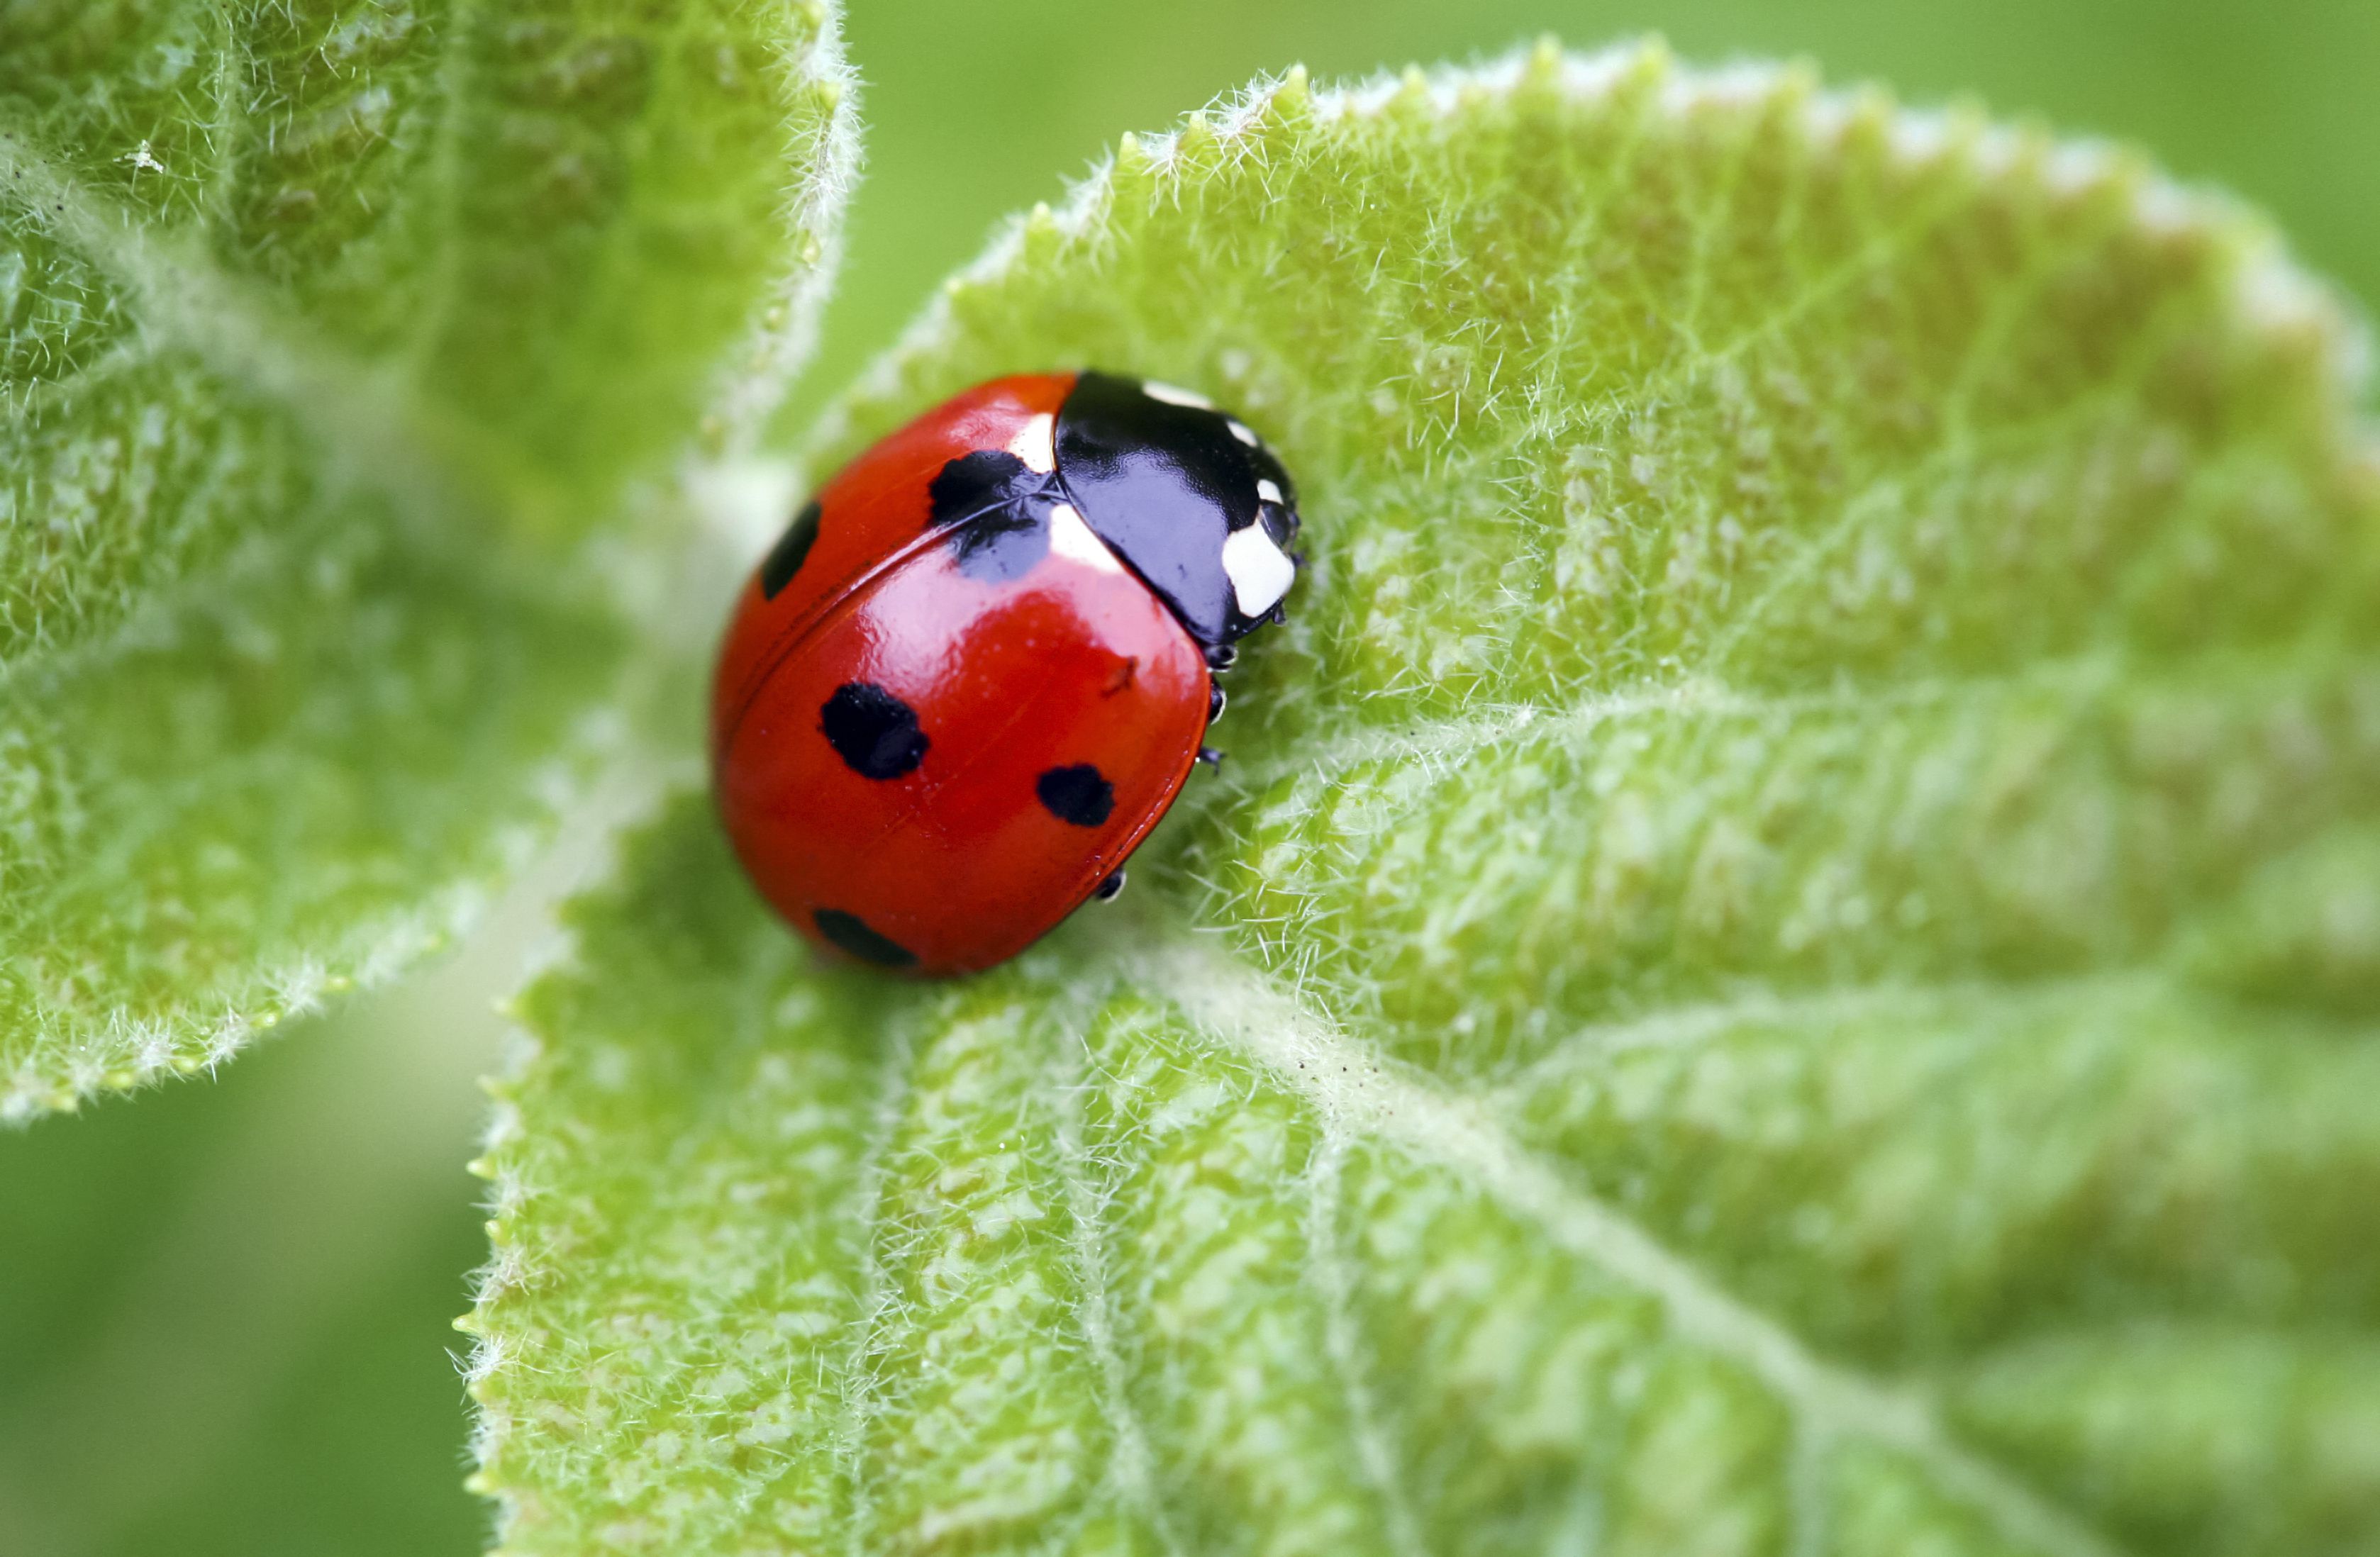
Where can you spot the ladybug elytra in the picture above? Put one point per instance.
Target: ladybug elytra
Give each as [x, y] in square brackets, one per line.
[978, 666]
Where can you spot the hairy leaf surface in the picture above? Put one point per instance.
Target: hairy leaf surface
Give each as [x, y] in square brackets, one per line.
[336, 342]
[1786, 960]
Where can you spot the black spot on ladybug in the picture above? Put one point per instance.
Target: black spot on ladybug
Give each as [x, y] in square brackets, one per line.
[1079, 794]
[850, 933]
[873, 730]
[1001, 544]
[997, 509]
[793, 549]
[975, 482]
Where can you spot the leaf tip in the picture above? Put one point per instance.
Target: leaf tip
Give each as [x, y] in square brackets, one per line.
[1651, 60]
[1546, 61]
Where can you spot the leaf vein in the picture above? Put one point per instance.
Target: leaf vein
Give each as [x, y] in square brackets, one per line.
[1326, 1270]
[1131, 1464]
[857, 1402]
[185, 301]
[1351, 1088]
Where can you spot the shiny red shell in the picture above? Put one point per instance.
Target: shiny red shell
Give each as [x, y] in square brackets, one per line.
[1067, 688]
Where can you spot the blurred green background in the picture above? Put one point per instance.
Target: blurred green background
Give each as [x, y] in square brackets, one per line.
[225, 1306]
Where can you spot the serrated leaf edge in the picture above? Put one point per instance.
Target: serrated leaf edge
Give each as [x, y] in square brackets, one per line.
[757, 377]
[2273, 292]
[129, 1052]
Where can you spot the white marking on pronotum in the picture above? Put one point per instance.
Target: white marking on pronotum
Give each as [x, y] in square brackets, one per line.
[1175, 396]
[1240, 430]
[1267, 490]
[1261, 572]
[1073, 540]
[1037, 443]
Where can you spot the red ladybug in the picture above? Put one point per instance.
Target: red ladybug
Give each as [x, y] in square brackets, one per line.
[977, 668]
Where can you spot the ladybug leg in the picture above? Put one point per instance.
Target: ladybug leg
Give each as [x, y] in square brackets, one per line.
[1106, 891]
[1214, 702]
[1219, 657]
[1211, 756]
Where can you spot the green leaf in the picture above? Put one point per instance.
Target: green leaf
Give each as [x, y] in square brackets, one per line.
[1785, 960]
[343, 346]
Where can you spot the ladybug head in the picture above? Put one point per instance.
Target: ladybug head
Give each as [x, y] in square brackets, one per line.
[1187, 495]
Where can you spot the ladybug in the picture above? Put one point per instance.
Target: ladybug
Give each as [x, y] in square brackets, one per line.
[979, 664]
